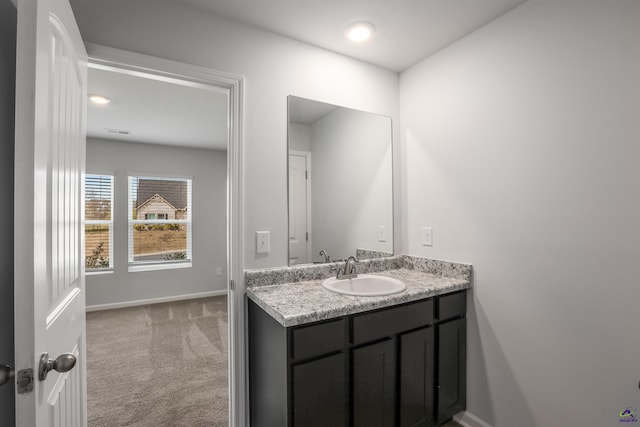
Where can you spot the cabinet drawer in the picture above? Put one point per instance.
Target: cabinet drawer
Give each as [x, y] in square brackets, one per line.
[453, 305]
[391, 321]
[317, 339]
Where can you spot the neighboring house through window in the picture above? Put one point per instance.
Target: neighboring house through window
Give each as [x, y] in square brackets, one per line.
[160, 226]
[98, 230]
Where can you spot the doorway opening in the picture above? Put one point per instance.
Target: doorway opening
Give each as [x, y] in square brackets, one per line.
[177, 142]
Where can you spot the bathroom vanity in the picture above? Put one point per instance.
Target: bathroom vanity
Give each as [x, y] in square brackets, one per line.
[317, 358]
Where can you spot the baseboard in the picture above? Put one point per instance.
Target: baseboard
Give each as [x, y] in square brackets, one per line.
[467, 419]
[124, 304]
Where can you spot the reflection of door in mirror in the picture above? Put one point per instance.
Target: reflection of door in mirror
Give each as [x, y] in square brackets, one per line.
[299, 213]
[351, 177]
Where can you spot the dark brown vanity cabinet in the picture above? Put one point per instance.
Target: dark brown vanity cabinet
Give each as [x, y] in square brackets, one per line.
[398, 366]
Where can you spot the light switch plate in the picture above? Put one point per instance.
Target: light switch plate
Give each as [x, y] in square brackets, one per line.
[381, 234]
[427, 236]
[263, 244]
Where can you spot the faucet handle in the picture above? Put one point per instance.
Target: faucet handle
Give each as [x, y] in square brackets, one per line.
[350, 266]
[324, 253]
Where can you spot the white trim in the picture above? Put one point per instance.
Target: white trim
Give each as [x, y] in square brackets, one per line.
[99, 271]
[137, 265]
[467, 419]
[124, 304]
[161, 174]
[167, 265]
[134, 62]
[109, 222]
[307, 156]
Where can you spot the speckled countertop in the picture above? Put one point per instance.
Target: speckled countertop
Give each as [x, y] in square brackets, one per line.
[306, 301]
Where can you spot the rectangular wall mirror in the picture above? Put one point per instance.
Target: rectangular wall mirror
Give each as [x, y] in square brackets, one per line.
[340, 183]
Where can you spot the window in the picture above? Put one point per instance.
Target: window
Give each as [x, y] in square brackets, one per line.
[159, 223]
[156, 216]
[98, 229]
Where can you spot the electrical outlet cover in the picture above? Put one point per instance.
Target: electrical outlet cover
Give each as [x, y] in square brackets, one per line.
[427, 236]
[381, 234]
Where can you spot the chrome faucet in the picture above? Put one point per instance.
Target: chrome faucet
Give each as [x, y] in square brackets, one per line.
[326, 256]
[348, 271]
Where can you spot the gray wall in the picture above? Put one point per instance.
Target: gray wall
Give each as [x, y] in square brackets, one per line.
[209, 171]
[518, 142]
[299, 137]
[7, 124]
[522, 150]
[351, 190]
[273, 66]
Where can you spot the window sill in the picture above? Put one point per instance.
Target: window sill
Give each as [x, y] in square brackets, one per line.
[152, 267]
[98, 272]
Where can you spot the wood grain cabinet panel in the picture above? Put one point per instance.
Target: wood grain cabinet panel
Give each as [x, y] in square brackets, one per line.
[417, 371]
[452, 377]
[391, 321]
[403, 365]
[317, 339]
[374, 381]
[451, 306]
[319, 393]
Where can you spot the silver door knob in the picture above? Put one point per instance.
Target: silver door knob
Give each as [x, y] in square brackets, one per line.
[63, 363]
[6, 374]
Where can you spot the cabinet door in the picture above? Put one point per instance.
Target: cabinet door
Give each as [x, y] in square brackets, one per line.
[417, 354]
[452, 376]
[374, 380]
[319, 393]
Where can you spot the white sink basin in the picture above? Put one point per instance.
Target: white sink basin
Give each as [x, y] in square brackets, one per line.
[365, 285]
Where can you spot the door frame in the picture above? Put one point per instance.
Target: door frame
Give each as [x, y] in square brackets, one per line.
[136, 62]
[307, 156]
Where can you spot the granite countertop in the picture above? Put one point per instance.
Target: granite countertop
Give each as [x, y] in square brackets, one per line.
[293, 304]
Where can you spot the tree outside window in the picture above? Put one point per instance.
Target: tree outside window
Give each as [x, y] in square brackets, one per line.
[98, 229]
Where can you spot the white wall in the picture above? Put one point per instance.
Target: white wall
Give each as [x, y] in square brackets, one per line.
[351, 182]
[523, 154]
[208, 169]
[299, 137]
[8, 18]
[274, 67]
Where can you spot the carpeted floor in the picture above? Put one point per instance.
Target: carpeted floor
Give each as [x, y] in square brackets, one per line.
[159, 365]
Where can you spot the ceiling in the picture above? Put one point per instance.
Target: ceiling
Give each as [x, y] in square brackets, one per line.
[157, 111]
[407, 31]
[307, 111]
[150, 110]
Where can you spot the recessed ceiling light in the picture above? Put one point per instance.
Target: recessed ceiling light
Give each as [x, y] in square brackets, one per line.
[359, 31]
[99, 99]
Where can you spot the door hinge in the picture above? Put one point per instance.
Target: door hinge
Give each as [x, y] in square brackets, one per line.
[24, 381]
[306, 174]
[232, 285]
[307, 233]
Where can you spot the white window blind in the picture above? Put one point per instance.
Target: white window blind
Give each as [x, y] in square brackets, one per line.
[98, 230]
[160, 227]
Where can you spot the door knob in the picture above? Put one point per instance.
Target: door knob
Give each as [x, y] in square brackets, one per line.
[63, 363]
[6, 374]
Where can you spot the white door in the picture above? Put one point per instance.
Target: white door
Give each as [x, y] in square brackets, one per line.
[49, 168]
[298, 215]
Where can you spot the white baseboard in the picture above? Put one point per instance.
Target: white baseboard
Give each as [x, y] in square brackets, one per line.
[124, 304]
[467, 419]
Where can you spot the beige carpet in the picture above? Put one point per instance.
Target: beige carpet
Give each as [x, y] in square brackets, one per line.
[159, 365]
